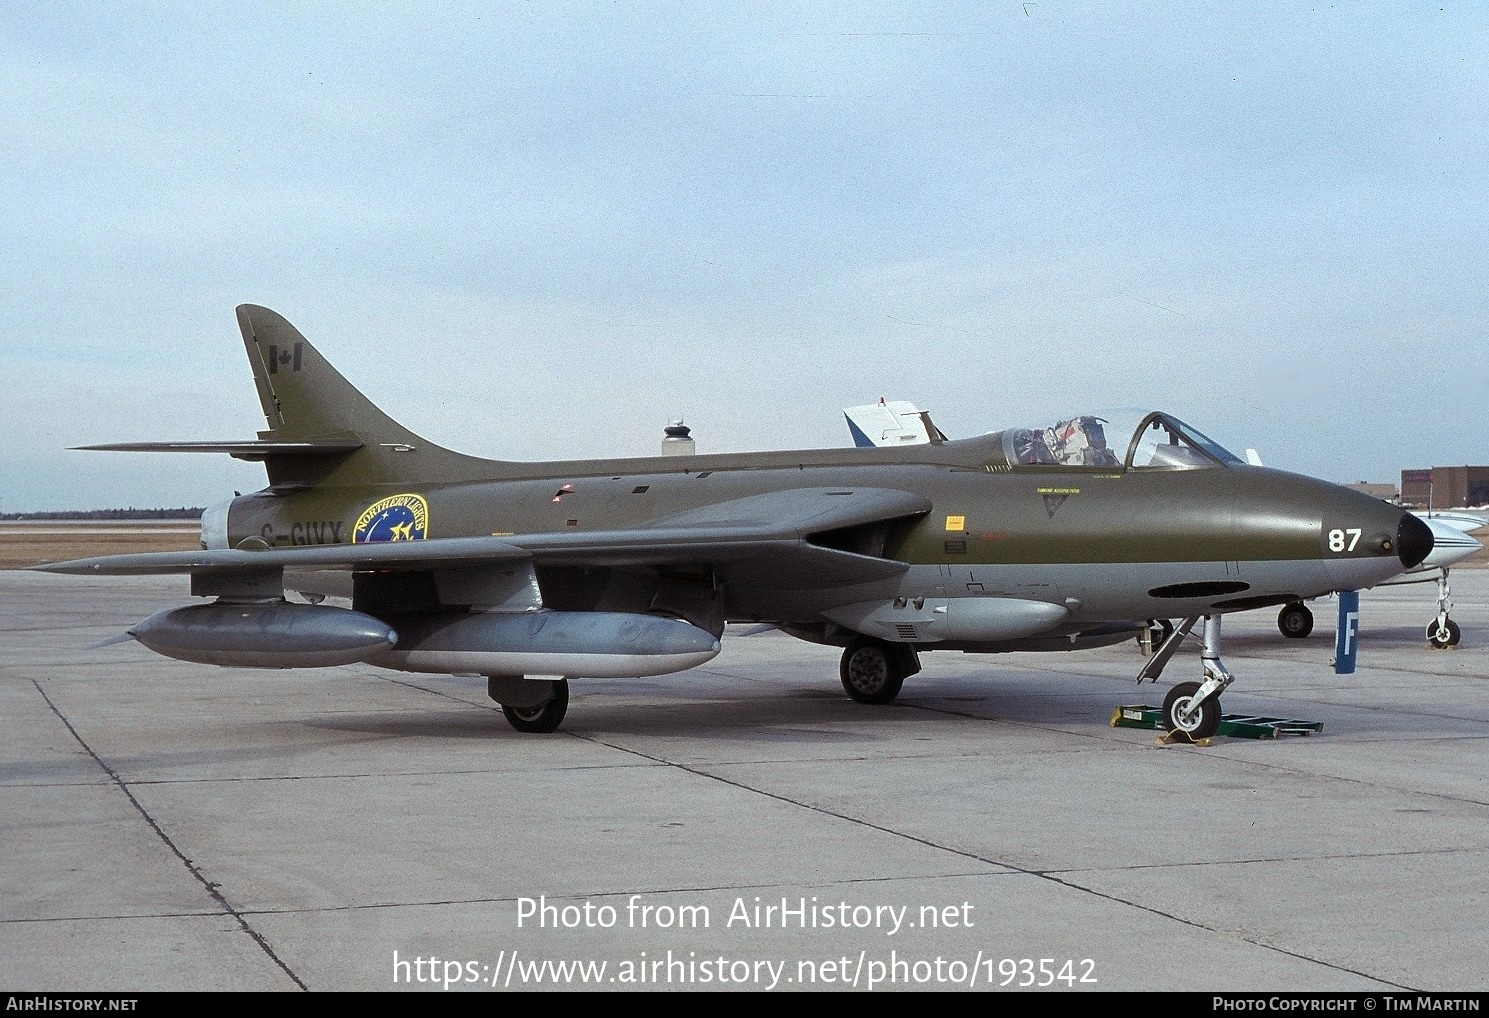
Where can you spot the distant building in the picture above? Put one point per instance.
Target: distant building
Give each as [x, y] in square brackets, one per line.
[1445, 487]
[1416, 488]
[1386, 492]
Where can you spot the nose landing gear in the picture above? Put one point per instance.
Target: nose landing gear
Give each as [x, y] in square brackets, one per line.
[1192, 708]
[1443, 632]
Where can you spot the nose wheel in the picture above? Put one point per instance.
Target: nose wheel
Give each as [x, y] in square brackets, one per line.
[1443, 633]
[1185, 712]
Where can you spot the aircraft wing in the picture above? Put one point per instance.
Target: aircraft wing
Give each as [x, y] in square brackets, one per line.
[386, 555]
[1462, 522]
[774, 531]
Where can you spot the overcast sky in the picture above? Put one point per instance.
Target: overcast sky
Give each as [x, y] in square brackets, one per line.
[540, 230]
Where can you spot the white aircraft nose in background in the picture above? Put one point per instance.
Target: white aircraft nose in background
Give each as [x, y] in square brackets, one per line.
[1450, 541]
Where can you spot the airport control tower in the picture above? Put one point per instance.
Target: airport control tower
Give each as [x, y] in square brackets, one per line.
[678, 440]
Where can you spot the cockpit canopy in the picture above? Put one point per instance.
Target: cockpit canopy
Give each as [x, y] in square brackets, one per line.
[1119, 439]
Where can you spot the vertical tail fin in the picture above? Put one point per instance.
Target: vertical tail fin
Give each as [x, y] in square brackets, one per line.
[305, 399]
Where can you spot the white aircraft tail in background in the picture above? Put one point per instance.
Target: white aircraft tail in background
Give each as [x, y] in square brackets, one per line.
[891, 423]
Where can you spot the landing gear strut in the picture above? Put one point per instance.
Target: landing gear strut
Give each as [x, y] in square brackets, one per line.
[1192, 708]
[873, 670]
[1443, 632]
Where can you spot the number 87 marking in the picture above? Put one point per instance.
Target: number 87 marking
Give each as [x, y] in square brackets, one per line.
[1344, 540]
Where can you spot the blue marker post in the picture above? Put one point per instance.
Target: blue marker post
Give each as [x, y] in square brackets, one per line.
[1347, 633]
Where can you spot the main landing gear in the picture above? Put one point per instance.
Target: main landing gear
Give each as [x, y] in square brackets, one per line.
[874, 670]
[1295, 621]
[1154, 632]
[1443, 632]
[530, 705]
[1192, 709]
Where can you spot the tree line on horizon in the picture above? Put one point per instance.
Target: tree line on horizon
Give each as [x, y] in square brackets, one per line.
[110, 514]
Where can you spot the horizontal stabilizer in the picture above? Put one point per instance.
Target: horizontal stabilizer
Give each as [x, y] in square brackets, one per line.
[255, 449]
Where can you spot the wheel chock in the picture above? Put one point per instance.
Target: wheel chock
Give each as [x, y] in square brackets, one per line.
[1178, 738]
[1241, 726]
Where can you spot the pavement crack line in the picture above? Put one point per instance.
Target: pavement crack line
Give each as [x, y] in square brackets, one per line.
[191, 867]
[916, 839]
[582, 895]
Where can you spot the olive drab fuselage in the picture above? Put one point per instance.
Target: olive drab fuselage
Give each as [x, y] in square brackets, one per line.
[1073, 536]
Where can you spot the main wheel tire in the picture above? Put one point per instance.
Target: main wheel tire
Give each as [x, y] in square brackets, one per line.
[546, 716]
[1443, 641]
[872, 671]
[1295, 621]
[1202, 724]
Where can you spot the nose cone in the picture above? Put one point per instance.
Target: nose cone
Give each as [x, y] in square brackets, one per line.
[1413, 541]
[1450, 545]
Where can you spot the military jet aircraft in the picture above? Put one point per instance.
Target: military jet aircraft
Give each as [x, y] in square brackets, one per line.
[532, 574]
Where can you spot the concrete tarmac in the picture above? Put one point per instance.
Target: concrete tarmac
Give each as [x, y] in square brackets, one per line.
[171, 826]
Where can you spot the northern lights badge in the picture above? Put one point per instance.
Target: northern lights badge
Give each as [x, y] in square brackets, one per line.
[395, 518]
